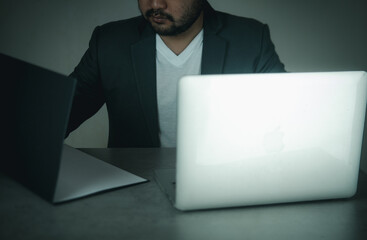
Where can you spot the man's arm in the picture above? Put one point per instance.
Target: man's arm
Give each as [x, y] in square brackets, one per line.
[89, 97]
[268, 60]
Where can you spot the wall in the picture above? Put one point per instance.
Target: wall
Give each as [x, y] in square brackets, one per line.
[313, 35]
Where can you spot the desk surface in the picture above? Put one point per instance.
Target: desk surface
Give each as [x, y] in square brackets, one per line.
[143, 211]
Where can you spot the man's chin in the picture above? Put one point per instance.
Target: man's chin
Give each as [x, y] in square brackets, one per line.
[163, 30]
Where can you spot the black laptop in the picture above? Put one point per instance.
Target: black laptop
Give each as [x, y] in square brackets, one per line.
[38, 103]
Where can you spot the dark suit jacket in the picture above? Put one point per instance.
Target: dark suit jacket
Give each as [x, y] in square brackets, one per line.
[119, 69]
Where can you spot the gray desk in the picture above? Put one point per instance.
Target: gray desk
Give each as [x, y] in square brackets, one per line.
[143, 212]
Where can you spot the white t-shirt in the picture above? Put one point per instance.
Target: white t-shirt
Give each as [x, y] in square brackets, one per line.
[170, 68]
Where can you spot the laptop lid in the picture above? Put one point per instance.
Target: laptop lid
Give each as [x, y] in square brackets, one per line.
[40, 107]
[253, 139]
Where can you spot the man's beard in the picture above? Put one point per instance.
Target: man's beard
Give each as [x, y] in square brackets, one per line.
[178, 26]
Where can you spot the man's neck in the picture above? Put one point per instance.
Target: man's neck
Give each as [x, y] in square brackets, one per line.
[179, 42]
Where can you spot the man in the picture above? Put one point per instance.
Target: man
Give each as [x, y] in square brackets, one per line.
[133, 65]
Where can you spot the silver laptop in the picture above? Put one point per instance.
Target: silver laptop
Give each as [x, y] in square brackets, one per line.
[253, 139]
[40, 104]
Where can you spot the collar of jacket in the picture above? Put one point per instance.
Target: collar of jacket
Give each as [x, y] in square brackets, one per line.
[143, 55]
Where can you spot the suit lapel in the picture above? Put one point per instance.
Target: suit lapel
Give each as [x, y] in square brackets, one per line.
[144, 62]
[214, 47]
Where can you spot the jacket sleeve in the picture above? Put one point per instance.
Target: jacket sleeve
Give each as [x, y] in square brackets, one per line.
[88, 97]
[268, 60]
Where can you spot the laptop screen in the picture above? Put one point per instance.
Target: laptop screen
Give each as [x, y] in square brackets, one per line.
[40, 102]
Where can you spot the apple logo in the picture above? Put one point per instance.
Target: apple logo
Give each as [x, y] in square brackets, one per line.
[273, 141]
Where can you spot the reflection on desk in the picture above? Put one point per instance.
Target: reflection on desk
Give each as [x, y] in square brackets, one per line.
[144, 212]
